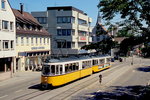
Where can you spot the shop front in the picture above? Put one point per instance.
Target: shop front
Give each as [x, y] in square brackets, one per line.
[6, 67]
[32, 61]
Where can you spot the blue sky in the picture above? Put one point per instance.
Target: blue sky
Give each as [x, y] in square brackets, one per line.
[88, 6]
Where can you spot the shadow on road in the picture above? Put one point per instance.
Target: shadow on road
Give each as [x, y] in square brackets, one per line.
[36, 86]
[123, 93]
[144, 69]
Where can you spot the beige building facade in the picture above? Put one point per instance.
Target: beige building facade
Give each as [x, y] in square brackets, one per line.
[32, 42]
[70, 28]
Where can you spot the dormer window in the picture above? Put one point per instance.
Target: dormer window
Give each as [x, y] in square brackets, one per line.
[21, 25]
[30, 27]
[18, 25]
[3, 4]
[24, 27]
[36, 29]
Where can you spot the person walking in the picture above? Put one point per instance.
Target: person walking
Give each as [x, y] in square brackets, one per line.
[100, 78]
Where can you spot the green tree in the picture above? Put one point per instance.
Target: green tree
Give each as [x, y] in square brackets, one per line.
[135, 14]
[124, 32]
[103, 46]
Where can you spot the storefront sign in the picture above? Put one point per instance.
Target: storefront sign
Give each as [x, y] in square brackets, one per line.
[35, 48]
[22, 54]
[82, 38]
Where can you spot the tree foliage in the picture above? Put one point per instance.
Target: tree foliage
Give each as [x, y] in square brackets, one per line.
[103, 46]
[124, 32]
[135, 13]
[128, 43]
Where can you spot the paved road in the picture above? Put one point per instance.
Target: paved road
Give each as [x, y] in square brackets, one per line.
[135, 77]
[25, 85]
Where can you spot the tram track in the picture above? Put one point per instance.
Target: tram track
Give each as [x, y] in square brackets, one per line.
[86, 84]
[70, 91]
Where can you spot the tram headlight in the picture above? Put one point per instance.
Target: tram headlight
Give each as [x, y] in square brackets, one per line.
[45, 79]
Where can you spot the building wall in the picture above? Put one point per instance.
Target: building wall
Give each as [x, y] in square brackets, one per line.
[7, 34]
[35, 46]
[75, 39]
[7, 40]
[23, 47]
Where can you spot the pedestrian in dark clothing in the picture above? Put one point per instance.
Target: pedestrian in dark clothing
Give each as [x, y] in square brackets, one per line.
[100, 78]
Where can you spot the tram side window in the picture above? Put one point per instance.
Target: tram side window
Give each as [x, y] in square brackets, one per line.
[57, 69]
[102, 61]
[86, 64]
[74, 66]
[108, 60]
[71, 67]
[90, 63]
[77, 66]
[95, 62]
[53, 69]
[83, 64]
[61, 70]
[66, 68]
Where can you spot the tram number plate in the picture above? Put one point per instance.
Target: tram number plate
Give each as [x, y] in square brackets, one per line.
[99, 67]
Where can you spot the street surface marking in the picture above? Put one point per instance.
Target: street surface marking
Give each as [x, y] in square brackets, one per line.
[90, 95]
[3, 96]
[99, 91]
[18, 91]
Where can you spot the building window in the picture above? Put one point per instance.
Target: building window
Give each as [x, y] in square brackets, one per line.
[72, 19]
[47, 40]
[16, 40]
[82, 33]
[64, 32]
[63, 44]
[27, 40]
[64, 19]
[5, 45]
[32, 40]
[3, 4]
[11, 26]
[5, 25]
[42, 20]
[68, 44]
[73, 44]
[36, 40]
[82, 22]
[12, 44]
[44, 41]
[40, 40]
[22, 40]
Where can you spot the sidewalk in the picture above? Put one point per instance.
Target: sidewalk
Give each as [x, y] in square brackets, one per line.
[20, 76]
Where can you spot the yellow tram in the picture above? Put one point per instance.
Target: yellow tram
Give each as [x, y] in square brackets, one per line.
[59, 72]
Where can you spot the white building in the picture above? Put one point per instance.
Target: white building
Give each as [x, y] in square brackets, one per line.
[69, 26]
[7, 40]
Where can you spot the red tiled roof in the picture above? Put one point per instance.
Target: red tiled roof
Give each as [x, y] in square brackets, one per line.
[31, 32]
[119, 39]
[27, 18]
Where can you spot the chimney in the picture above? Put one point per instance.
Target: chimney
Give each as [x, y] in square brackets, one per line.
[21, 8]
